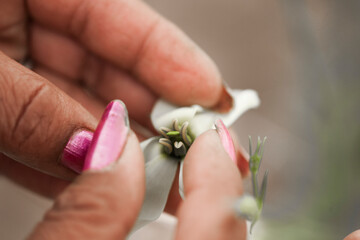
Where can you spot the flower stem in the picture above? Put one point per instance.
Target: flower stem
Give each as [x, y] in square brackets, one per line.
[254, 165]
[254, 184]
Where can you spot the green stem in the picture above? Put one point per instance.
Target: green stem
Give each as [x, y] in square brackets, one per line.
[255, 184]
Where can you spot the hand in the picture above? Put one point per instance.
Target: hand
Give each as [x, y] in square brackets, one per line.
[86, 45]
[112, 49]
[103, 204]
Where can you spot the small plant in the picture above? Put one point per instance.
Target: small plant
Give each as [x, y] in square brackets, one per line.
[250, 207]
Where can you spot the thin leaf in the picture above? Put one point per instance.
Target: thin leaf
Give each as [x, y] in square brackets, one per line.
[250, 147]
[263, 188]
[262, 150]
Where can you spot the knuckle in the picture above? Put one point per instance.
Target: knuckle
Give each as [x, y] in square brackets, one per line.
[27, 117]
[79, 19]
[19, 108]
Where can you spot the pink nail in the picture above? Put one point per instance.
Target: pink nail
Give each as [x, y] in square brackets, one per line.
[226, 139]
[242, 157]
[75, 151]
[109, 137]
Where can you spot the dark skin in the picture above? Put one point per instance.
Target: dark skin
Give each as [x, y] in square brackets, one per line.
[86, 53]
[90, 67]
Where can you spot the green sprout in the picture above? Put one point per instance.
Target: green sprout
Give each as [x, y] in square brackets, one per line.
[250, 207]
[254, 164]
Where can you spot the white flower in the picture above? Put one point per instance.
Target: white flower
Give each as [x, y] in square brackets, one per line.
[179, 127]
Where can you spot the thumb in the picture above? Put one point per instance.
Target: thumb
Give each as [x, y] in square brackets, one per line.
[36, 119]
[102, 203]
[211, 183]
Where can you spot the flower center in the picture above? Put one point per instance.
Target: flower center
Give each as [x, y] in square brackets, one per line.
[176, 140]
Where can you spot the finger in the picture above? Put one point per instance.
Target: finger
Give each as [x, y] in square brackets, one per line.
[134, 37]
[353, 236]
[65, 57]
[13, 28]
[94, 105]
[211, 183]
[38, 182]
[242, 163]
[242, 157]
[37, 119]
[102, 203]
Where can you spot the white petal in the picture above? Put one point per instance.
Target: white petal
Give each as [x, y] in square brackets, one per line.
[161, 107]
[165, 120]
[243, 101]
[181, 182]
[201, 123]
[160, 170]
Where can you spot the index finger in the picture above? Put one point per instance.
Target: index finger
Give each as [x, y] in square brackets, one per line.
[134, 37]
[211, 182]
[37, 119]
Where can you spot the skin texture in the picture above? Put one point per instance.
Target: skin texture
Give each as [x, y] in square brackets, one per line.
[353, 236]
[84, 54]
[64, 43]
[91, 209]
[211, 184]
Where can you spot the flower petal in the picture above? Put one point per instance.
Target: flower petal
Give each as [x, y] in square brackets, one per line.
[181, 181]
[164, 113]
[160, 170]
[161, 107]
[243, 101]
[201, 123]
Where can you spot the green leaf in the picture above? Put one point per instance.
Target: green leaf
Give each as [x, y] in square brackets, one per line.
[263, 188]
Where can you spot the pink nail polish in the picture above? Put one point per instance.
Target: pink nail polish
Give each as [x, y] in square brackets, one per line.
[109, 137]
[75, 151]
[226, 139]
[242, 157]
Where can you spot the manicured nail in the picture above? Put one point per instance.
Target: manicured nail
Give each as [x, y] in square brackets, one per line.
[225, 138]
[225, 102]
[109, 137]
[75, 151]
[242, 157]
[243, 162]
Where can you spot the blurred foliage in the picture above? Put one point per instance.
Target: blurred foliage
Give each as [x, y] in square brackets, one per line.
[327, 65]
[337, 203]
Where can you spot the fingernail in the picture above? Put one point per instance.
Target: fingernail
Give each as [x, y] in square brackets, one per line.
[75, 151]
[226, 139]
[242, 157]
[225, 102]
[109, 137]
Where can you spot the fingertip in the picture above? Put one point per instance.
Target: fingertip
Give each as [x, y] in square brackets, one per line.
[108, 200]
[178, 70]
[208, 167]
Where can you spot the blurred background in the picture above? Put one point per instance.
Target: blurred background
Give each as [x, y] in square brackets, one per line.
[303, 57]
